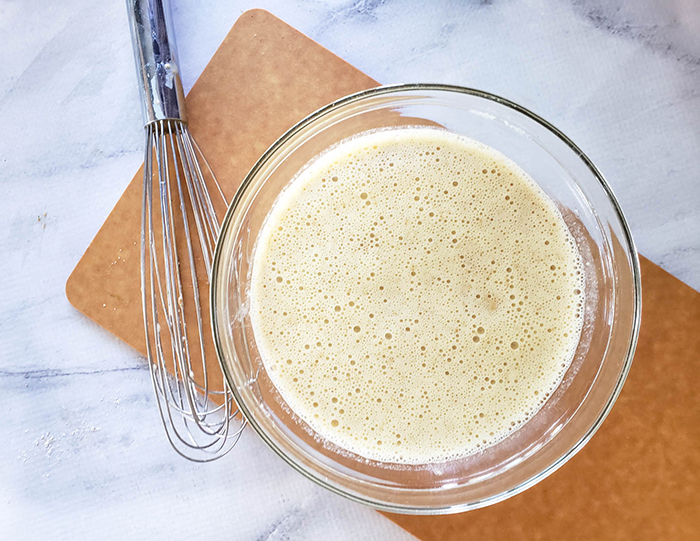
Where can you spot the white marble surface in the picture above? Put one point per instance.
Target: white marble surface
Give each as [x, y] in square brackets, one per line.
[83, 456]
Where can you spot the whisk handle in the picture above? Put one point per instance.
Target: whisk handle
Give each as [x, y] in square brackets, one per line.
[152, 36]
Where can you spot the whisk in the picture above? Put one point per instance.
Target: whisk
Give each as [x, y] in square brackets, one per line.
[200, 422]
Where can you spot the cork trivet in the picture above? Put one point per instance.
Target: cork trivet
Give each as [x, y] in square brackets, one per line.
[638, 478]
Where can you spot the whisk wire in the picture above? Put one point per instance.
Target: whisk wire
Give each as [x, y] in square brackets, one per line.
[208, 223]
[207, 252]
[196, 151]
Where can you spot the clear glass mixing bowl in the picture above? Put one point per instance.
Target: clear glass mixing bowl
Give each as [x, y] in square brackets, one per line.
[611, 314]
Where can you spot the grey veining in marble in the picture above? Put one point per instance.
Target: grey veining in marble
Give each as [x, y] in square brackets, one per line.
[83, 453]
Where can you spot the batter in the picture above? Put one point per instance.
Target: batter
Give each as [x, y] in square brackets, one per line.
[415, 296]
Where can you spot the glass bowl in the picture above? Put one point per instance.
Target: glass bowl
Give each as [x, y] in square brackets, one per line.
[611, 313]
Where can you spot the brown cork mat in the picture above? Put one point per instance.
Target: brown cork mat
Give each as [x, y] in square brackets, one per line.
[639, 477]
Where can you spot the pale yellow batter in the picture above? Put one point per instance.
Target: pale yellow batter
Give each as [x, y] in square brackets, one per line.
[415, 296]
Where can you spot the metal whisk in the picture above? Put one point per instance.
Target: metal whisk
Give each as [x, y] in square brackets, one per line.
[200, 422]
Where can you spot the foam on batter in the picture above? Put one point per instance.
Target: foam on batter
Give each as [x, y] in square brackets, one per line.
[415, 296]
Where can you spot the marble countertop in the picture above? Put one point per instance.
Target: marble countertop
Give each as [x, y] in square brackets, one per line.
[83, 453]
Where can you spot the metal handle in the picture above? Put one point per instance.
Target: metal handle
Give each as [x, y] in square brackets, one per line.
[162, 96]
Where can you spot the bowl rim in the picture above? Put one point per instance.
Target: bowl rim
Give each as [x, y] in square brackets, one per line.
[313, 475]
